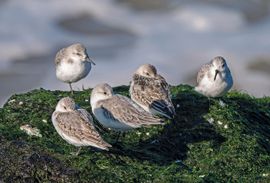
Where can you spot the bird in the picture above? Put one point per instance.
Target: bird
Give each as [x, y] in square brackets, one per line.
[72, 64]
[214, 79]
[118, 112]
[151, 91]
[75, 125]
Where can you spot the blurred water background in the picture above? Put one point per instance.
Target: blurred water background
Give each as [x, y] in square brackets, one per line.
[177, 36]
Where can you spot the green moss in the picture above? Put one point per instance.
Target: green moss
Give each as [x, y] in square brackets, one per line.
[216, 140]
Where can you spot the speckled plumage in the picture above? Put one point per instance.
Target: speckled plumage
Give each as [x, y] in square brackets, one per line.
[76, 126]
[214, 79]
[151, 92]
[119, 112]
[62, 55]
[203, 72]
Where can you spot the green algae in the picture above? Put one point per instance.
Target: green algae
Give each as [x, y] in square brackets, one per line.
[216, 140]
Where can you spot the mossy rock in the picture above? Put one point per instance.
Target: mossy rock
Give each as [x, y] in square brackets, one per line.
[210, 140]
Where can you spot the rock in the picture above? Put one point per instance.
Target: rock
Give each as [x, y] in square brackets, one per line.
[188, 149]
[31, 131]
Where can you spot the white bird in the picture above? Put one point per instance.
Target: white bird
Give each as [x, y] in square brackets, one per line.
[151, 91]
[214, 79]
[72, 64]
[118, 112]
[75, 125]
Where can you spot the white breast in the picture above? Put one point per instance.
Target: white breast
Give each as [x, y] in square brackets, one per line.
[109, 123]
[211, 88]
[72, 72]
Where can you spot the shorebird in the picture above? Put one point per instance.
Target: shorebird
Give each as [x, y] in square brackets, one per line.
[72, 64]
[75, 125]
[151, 91]
[118, 112]
[214, 79]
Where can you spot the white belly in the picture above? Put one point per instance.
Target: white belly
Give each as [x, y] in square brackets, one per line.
[70, 73]
[109, 123]
[214, 88]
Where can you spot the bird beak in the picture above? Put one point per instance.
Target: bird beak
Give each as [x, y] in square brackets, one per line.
[90, 60]
[217, 71]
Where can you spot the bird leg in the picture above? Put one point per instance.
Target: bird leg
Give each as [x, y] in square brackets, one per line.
[209, 102]
[117, 138]
[78, 152]
[70, 88]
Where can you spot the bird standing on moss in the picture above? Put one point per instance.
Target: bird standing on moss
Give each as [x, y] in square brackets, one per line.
[75, 125]
[151, 91]
[214, 79]
[72, 64]
[118, 112]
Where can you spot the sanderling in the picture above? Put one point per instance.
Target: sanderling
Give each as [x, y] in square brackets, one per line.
[151, 91]
[214, 79]
[118, 112]
[72, 64]
[75, 125]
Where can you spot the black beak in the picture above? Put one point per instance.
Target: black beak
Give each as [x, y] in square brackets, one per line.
[217, 71]
[90, 60]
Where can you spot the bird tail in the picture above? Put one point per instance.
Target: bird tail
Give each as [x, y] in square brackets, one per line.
[105, 146]
[152, 120]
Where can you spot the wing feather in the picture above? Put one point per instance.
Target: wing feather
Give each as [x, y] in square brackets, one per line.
[153, 92]
[59, 56]
[124, 110]
[203, 72]
[75, 125]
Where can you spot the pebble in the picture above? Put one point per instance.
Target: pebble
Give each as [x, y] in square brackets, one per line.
[30, 130]
[210, 120]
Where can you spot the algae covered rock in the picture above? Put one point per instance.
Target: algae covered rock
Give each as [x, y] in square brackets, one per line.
[216, 140]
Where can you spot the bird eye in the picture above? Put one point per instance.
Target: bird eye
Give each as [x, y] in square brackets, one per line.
[78, 54]
[105, 93]
[65, 107]
[147, 74]
[223, 65]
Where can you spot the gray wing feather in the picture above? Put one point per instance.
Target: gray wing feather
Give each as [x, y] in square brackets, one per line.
[153, 92]
[202, 72]
[59, 56]
[125, 111]
[85, 115]
[75, 126]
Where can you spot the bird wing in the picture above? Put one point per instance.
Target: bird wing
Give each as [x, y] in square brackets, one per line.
[163, 84]
[124, 110]
[75, 126]
[155, 93]
[85, 115]
[202, 72]
[163, 107]
[59, 56]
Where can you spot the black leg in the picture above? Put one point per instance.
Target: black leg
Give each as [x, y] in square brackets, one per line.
[70, 88]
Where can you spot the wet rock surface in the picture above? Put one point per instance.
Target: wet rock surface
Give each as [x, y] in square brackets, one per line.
[21, 162]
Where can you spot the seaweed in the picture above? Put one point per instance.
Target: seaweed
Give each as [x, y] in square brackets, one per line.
[210, 140]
